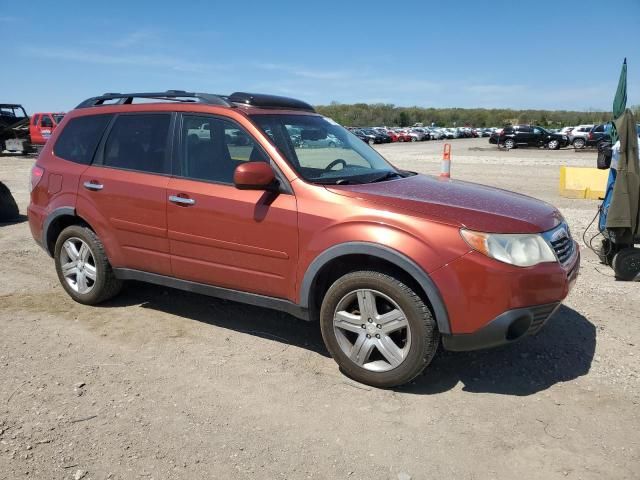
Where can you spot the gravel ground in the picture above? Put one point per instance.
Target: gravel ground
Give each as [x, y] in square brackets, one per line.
[164, 384]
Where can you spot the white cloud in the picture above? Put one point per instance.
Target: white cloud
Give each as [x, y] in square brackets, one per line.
[143, 60]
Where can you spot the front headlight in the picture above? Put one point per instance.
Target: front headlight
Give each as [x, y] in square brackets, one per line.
[521, 250]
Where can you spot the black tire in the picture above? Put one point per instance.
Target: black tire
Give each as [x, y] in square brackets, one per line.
[579, 143]
[553, 145]
[509, 143]
[425, 337]
[8, 207]
[626, 264]
[106, 285]
[607, 252]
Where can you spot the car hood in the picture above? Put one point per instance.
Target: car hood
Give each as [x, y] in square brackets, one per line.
[464, 204]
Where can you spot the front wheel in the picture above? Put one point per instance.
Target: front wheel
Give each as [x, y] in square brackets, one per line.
[509, 143]
[553, 145]
[579, 143]
[378, 330]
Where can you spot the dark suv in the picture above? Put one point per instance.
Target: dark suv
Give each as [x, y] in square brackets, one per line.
[216, 195]
[528, 136]
[598, 134]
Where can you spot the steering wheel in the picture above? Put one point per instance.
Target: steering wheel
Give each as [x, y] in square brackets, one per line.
[334, 163]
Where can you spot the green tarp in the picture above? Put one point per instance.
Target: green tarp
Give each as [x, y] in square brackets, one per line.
[625, 202]
[619, 101]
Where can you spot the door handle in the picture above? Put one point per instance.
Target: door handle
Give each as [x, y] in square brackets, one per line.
[95, 186]
[183, 201]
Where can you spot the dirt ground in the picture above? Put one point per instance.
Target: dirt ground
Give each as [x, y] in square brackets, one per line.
[164, 384]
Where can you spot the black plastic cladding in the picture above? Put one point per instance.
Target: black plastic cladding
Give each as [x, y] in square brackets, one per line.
[241, 98]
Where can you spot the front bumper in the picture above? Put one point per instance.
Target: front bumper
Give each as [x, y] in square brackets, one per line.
[505, 328]
[491, 304]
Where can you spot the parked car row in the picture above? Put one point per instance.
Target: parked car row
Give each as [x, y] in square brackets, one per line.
[588, 135]
[375, 135]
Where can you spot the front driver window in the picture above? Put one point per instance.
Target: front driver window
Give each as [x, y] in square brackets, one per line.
[212, 148]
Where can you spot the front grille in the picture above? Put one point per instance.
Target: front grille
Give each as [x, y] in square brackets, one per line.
[563, 245]
[563, 248]
[540, 316]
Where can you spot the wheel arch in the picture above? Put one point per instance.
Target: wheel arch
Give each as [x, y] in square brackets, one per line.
[344, 257]
[56, 221]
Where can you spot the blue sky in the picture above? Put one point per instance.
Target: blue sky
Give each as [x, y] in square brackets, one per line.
[536, 54]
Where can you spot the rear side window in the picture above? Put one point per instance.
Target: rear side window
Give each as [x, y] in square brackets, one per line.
[35, 120]
[139, 142]
[80, 137]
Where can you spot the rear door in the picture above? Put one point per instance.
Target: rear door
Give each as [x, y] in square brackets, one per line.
[524, 135]
[239, 239]
[123, 193]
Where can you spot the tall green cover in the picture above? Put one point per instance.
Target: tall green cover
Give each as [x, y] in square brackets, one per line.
[619, 101]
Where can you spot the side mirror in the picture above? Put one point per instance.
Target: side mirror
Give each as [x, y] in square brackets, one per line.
[255, 176]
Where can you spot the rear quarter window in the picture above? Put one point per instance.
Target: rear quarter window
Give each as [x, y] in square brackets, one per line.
[80, 137]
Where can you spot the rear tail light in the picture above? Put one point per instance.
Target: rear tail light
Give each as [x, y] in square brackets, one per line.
[36, 175]
[590, 135]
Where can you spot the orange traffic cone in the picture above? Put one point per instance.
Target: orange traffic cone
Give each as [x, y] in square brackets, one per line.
[445, 171]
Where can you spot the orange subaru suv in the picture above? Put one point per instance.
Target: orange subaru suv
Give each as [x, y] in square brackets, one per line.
[258, 199]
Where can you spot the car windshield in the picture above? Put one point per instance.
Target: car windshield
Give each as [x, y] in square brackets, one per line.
[12, 112]
[58, 117]
[322, 151]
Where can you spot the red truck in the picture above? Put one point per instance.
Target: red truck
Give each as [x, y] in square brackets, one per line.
[42, 126]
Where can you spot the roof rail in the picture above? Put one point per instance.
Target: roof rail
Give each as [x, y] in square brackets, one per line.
[169, 95]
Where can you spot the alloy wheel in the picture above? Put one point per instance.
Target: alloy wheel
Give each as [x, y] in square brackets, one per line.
[78, 265]
[372, 330]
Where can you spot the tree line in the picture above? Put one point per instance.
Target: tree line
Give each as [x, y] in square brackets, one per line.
[384, 114]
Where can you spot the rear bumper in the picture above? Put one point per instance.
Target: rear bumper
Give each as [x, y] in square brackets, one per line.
[36, 216]
[505, 328]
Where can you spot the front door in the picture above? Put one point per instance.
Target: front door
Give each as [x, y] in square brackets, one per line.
[46, 127]
[123, 194]
[239, 239]
[538, 137]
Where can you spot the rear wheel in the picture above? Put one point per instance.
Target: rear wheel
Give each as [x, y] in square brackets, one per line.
[579, 143]
[377, 329]
[83, 268]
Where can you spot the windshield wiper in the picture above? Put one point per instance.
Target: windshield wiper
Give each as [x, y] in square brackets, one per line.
[387, 176]
[333, 181]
